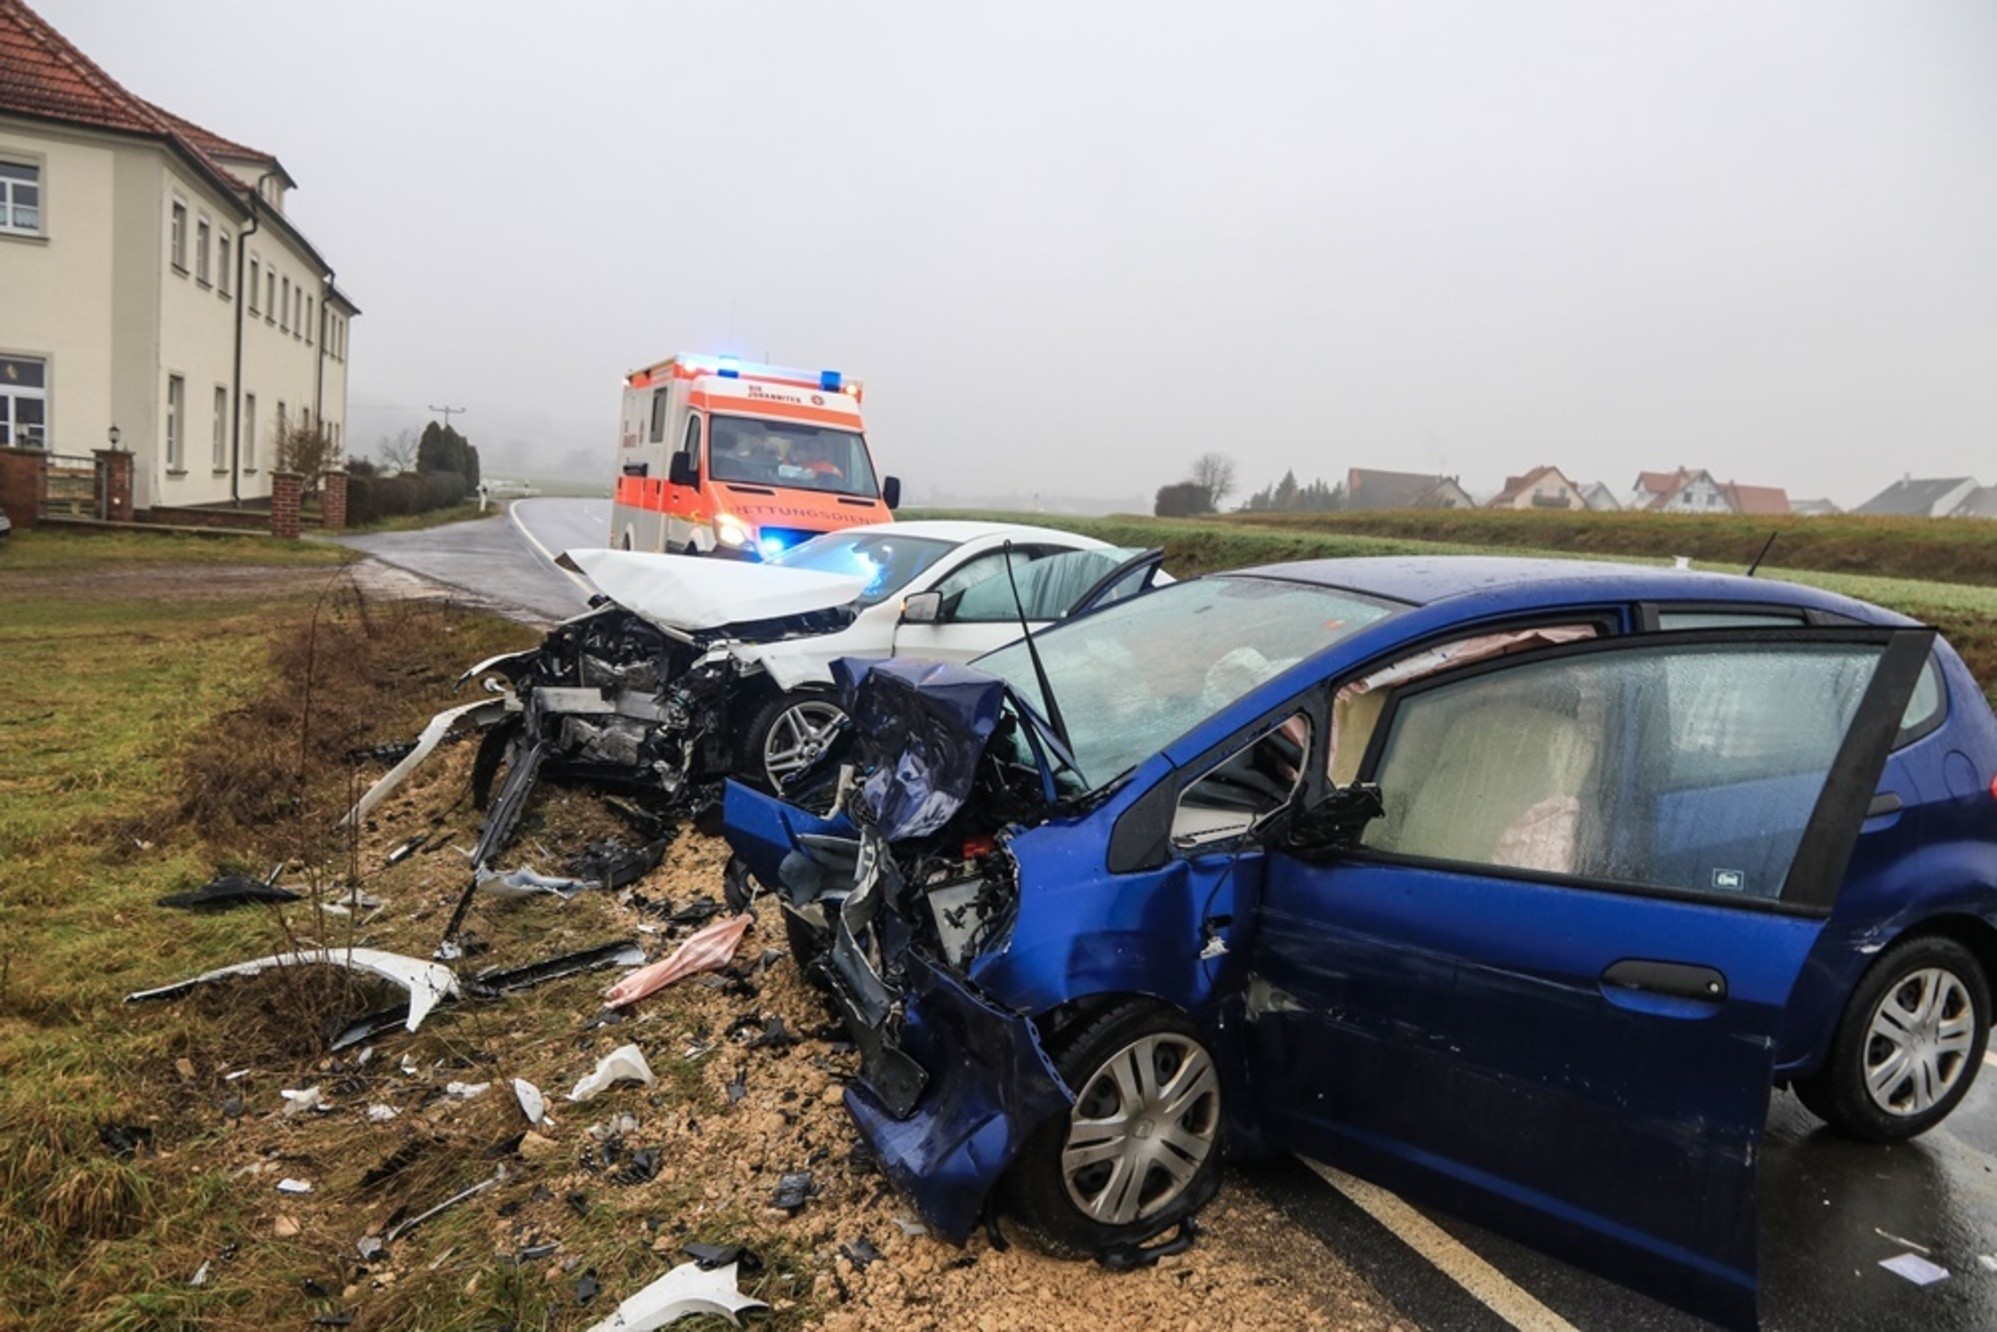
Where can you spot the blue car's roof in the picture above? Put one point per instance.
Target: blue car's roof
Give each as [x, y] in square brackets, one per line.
[1504, 583]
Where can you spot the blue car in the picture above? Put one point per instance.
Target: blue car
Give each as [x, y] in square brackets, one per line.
[1513, 885]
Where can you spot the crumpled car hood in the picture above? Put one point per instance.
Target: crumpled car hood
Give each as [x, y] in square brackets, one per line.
[692, 595]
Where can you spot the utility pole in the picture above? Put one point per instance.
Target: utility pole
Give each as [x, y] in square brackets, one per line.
[449, 412]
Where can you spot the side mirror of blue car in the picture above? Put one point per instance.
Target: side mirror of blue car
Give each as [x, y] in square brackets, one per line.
[1331, 825]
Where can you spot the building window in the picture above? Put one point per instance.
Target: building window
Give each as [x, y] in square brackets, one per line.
[308, 321]
[178, 238]
[227, 275]
[282, 425]
[270, 295]
[24, 402]
[249, 432]
[297, 312]
[202, 231]
[176, 405]
[20, 198]
[221, 431]
[256, 280]
[284, 307]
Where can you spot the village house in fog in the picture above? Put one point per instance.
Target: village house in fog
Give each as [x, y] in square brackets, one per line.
[153, 284]
[1366, 489]
[1933, 497]
[1694, 490]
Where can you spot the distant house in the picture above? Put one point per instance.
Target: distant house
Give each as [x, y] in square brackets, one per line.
[1755, 499]
[1934, 497]
[1687, 490]
[1814, 508]
[1367, 490]
[1980, 503]
[1541, 488]
[1600, 498]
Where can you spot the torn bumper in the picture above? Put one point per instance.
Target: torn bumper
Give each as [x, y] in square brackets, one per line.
[981, 1083]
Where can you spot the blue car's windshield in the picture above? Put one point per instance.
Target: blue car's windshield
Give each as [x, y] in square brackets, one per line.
[1135, 676]
[887, 559]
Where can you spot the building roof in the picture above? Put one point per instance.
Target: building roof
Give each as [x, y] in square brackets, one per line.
[1909, 497]
[1368, 489]
[1657, 483]
[1673, 483]
[1979, 503]
[1518, 485]
[220, 148]
[1755, 499]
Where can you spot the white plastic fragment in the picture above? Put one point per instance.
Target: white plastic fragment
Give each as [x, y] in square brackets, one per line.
[294, 1186]
[514, 885]
[910, 1226]
[624, 1064]
[480, 713]
[532, 1103]
[297, 1102]
[381, 1114]
[1987, 1261]
[200, 1277]
[681, 1293]
[464, 1091]
[1915, 1268]
[239, 1073]
[428, 984]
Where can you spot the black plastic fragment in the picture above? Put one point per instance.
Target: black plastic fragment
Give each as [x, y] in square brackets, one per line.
[390, 754]
[793, 1191]
[314, 1289]
[643, 1166]
[738, 1086]
[124, 1139]
[775, 1035]
[1129, 1255]
[588, 1287]
[711, 1256]
[366, 1027]
[408, 849]
[611, 864]
[395, 1163]
[497, 981]
[861, 1252]
[997, 1237]
[696, 912]
[578, 1202]
[229, 890]
[345, 1318]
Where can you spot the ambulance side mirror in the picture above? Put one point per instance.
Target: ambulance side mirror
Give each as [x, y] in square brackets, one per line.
[891, 492]
[680, 471]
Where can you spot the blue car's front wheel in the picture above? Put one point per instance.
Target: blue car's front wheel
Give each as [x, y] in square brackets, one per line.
[1908, 1044]
[1140, 1148]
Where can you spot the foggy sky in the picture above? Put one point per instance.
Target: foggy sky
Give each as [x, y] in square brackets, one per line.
[1071, 247]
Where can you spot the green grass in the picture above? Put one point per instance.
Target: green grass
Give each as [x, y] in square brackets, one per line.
[75, 550]
[415, 522]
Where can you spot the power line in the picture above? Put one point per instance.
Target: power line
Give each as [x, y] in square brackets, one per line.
[449, 412]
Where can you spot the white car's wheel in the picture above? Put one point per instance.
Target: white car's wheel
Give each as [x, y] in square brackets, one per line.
[787, 735]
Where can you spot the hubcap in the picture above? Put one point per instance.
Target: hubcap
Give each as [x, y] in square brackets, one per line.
[797, 737]
[1919, 1042]
[1142, 1126]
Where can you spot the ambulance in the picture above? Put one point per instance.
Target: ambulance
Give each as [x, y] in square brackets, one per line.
[717, 456]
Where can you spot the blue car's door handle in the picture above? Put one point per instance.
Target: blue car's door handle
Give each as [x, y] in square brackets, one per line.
[1635, 976]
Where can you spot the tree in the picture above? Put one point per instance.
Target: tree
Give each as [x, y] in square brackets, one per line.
[1182, 500]
[398, 454]
[443, 449]
[307, 450]
[1213, 473]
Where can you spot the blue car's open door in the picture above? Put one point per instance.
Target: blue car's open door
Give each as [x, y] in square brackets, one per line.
[1542, 989]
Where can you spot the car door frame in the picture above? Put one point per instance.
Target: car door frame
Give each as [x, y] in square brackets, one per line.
[984, 546]
[1808, 895]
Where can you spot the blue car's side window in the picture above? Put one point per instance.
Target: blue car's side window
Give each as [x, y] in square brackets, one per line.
[1685, 768]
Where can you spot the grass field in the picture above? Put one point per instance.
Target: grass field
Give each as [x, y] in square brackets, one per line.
[1966, 612]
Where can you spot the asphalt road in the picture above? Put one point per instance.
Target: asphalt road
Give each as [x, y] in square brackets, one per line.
[1831, 1210]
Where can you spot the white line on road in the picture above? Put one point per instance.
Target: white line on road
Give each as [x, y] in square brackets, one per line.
[1490, 1287]
[513, 514]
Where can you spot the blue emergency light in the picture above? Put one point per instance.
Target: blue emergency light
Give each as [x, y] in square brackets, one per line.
[730, 368]
[829, 380]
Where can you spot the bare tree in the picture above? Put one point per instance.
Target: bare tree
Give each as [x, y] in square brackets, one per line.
[1213, 473]
[307, 450]
[398, 454]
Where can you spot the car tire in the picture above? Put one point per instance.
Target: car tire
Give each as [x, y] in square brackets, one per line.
[797, 723]
[1898, 1066]
[1081, 1188]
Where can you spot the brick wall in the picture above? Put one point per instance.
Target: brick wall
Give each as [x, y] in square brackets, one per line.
[114, 484]
[333, 500]
[21, 486]
[285, 488]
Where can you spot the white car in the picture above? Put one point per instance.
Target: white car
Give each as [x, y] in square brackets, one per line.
[945, 590]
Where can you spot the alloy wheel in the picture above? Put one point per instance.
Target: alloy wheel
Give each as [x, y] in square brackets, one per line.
[796, 738]
[1141, 1128]
[1918, 1044]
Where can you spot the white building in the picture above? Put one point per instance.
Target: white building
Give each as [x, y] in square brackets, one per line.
[150, 280]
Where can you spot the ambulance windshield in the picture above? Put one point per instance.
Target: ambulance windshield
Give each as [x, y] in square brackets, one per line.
[791, 454]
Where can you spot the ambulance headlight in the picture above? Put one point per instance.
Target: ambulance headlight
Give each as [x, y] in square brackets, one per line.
[732, 531]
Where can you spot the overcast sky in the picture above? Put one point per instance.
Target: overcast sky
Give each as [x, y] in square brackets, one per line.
[1070, 247]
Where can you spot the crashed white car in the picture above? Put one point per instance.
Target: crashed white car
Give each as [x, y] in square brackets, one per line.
[694, 670]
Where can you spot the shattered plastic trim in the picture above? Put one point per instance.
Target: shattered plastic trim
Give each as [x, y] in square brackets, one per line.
[428, 984]
[482, 713]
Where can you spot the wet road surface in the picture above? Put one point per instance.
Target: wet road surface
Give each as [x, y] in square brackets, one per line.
[1824, 1200]
[497, 558]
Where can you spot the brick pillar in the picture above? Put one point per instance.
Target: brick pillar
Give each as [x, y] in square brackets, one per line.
[21, 485]
[333, 499]
[114, 484]
[285, 488]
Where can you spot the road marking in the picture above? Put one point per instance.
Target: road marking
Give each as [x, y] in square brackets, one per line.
[1485, 1283]
[513, 514]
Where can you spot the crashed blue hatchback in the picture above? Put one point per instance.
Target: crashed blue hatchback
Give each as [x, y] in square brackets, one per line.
[1513, 885]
